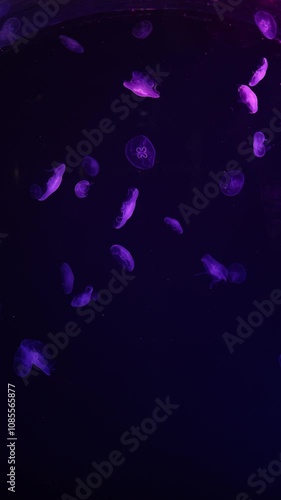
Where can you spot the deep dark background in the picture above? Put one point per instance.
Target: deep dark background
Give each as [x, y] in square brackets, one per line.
[163, 334]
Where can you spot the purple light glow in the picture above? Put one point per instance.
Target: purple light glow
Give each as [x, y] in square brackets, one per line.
[123, 257]
[82, 189]
[258, 144]
[142, 85]
[127, 208]
[67, 278]
[249, 98]
[142, 29]
[232, 183]
[237, 273]
[259, 73]
[216, 270]
[52, 185]
[91, 166]
[71, 44]
[266, 24]
[140, 152]
[83, 298]
[31, 352]
[174, 224]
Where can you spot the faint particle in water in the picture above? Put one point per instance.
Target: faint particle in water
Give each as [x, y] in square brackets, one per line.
[142, 29]
[142, 85]
[123, 257]
[91, 166]
[127, 208]
[174, 224]
[67, 278]
[140, 152]
[31, 352]
[237, 273]
[258, 144]
[53, 183]
[266, 24]
[215, 269]
[71, 44]
[82, 189]
[260, 73]
[232, 182]
[84, 298]
[35, 191]
[249, 98]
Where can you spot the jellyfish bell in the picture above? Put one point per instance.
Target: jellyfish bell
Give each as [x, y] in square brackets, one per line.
[174, 224]
[127, 208]
[258, 144]
[91, 166]
[232, 183]
[248, 97]
[215, 269]
[266, 24]
[260, 73]
[84, 298]
[82, 188]
[237, 273]
[67, 278]
[53, 183]
[71, 44]
[123, 257]
[142, 85]
[31, 352]
[142, 29]
[140, 152]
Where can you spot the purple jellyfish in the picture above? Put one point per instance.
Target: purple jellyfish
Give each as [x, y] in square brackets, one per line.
[83, 298]
[266, 24]
[142, 29]
[31, 352]
[258, 144]
[142, 85]
[53, 183]
[174, 224]
[232, 182]
[82, 189]
[237, 273]
[123, 257]
[91, 166]
[67, 278]
[216, 270]
[259, 73]
[140, 152]
[71, 44]
[249, 98]
[127, 208]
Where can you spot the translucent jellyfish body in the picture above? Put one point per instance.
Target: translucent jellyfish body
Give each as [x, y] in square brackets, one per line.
[67, 278]
[91, 166]
[260, 73]
[82, 189]
[215, 269]
[127, 208]
[249, 98]
[142, 29]
[71, 44]
[258, 144]
[237, 273]
[123, 257]
[142, 85]
[266, 24]
[52, 185]
[31, 352]
[83, 298]
[174, 224]
[140, 152]
[232, 183]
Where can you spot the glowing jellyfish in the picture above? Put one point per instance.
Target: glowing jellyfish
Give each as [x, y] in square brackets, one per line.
[258, 144]
[266, 24]
[127, 208]
[174, 224]
[142, 85]
[142, 29]
[140, 152]
[259, 73]
[83, 298]
[82, 189]
[91, 166]
[67, 278]
[71, 44]
[237, 273]
[9, 30]
[249, 98]
[31, 352]
[35, 191]
[232, 183]
[217, 271]
[123, 257]
[52, 185]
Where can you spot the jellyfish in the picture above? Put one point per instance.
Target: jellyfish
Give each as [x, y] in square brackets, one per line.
[123, 257]
[67, 278]
[216, 270]
[35, 191]
[142, 85]
[71, 44]
[91, 166]
[237, 273]
[266, 24]
[232, 182]
[31, 352]
[174, 224]
[127, 208]
[259, 73]
[249, 98]
[140, 152]
[53, 183]
[258, 144]
[82, 189]
[8, 31]
[142, 29]
[83, 298]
